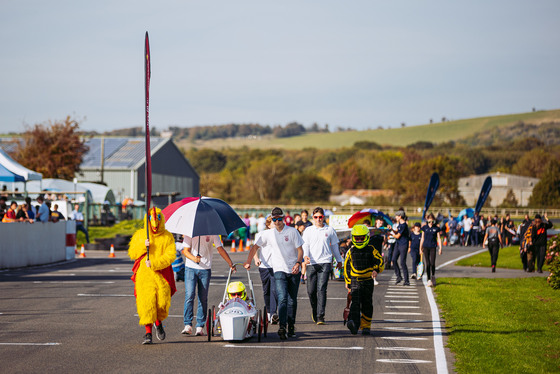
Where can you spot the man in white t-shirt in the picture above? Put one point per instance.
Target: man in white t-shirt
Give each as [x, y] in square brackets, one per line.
[262, 260]
[319, 247]
[286, 258]
[467, 227]
[198, 264]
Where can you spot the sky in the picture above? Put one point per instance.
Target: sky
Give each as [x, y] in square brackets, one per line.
[358, 64]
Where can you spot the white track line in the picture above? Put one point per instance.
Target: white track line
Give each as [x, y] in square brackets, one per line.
[401, 349]
[402, 361]
[404, 313]
[403, 338]
[103, 295]
[401, 301]
[79, 282]
[441, 361]
[402, 306]
[46, 344]
[404, 320]
[460, 258]
[405, 328]
[288, 347]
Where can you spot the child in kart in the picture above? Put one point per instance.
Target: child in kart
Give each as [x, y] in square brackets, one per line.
[236, 290]
[362, 264]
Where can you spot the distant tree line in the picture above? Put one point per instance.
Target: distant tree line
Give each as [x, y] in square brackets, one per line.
[232, 130]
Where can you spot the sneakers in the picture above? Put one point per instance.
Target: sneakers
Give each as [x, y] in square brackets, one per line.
[429, 284]
[282, 333]
[160, 332]
[407, 283]
[314, 316]
[320, 320]
[375, 282]
[199, 331]
[147, 339]
[413, 276]
[275, 319]
[493, 269]
[187, 330]
[365, 331]
[399, 280]
[352, 327]
[291, 331]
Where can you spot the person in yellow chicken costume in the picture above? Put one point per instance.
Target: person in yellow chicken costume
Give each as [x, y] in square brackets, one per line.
[154, 283]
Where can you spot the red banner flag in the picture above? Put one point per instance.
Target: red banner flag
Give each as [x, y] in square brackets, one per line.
[148, 180]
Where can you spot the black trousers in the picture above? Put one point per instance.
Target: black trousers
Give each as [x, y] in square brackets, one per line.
[400, 251]
[429, 262]
[361, 308]
[540, 251]
[493, 249]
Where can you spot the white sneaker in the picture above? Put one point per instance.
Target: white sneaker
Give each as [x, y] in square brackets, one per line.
[199, 331]
[187, 330]
[429, 284]
[375, 282]
[413, 276]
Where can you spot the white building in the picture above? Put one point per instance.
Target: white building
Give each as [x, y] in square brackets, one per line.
[522, 188]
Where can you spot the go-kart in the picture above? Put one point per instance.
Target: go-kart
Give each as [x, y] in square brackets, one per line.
[236, 319]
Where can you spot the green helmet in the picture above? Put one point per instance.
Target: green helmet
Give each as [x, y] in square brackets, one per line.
[360, 236]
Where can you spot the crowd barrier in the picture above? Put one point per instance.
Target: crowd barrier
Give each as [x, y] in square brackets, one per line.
[28, 244]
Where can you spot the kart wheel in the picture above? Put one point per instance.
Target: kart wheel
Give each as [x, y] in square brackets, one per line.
[213, 318]
[209, 325]
[259, 326]
[265, 321]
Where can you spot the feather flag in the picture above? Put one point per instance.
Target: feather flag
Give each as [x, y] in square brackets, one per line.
[148, 168]
[431, 193]
[484, 192]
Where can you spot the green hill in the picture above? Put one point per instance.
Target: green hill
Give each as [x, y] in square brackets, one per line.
[435, 133]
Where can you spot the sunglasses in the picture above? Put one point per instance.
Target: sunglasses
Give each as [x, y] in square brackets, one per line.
[319, 217]
[277, 219]
[237, 294]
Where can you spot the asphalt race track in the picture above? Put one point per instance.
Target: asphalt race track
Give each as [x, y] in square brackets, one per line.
[79, 316]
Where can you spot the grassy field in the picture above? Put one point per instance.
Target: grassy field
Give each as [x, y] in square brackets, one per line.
[122, 228]
[436, 133]
[502, 325]
[508, 258]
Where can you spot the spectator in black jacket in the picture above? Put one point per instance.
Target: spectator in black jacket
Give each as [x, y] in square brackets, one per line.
[522, 229]
[538, 239]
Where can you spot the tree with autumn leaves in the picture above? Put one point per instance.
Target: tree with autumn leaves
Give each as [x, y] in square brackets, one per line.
[55, 149]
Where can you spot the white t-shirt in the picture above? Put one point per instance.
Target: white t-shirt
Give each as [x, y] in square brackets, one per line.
[261, 224]
[203, 246]
[284, 247]
[320, 244]
[467, 224]
[264, 253]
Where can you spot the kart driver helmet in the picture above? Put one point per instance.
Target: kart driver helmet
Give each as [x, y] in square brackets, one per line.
[237, 289]
[360, 236]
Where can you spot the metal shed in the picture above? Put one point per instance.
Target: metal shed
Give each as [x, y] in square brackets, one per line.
[122, 168]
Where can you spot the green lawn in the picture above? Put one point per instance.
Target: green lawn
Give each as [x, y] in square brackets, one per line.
[121, 228]
[502, 325]
[508, 258]
[435, 133]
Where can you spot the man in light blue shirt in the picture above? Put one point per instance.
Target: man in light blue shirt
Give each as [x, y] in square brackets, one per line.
[44, 211]
[77, 216]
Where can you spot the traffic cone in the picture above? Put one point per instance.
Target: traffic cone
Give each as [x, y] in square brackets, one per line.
[233, 246]
[112, 252]
[445, 242]
[82, 252]
[240, 246]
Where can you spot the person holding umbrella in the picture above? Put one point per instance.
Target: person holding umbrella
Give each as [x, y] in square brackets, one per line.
[286, 258]
[198, 265]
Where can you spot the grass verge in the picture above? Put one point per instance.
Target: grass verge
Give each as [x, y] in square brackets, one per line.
[502, 325]
[121, 228]
[508, 258]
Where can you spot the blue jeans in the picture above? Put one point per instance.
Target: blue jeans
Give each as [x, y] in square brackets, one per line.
[287, 286]
[193, 278]
[400, 251]
[317, 280]
[269, 289]
[80, 227]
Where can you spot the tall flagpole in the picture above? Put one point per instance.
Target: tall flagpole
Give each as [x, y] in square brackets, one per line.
[148, 180]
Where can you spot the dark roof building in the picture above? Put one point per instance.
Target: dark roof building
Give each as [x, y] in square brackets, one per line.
[123, 168]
